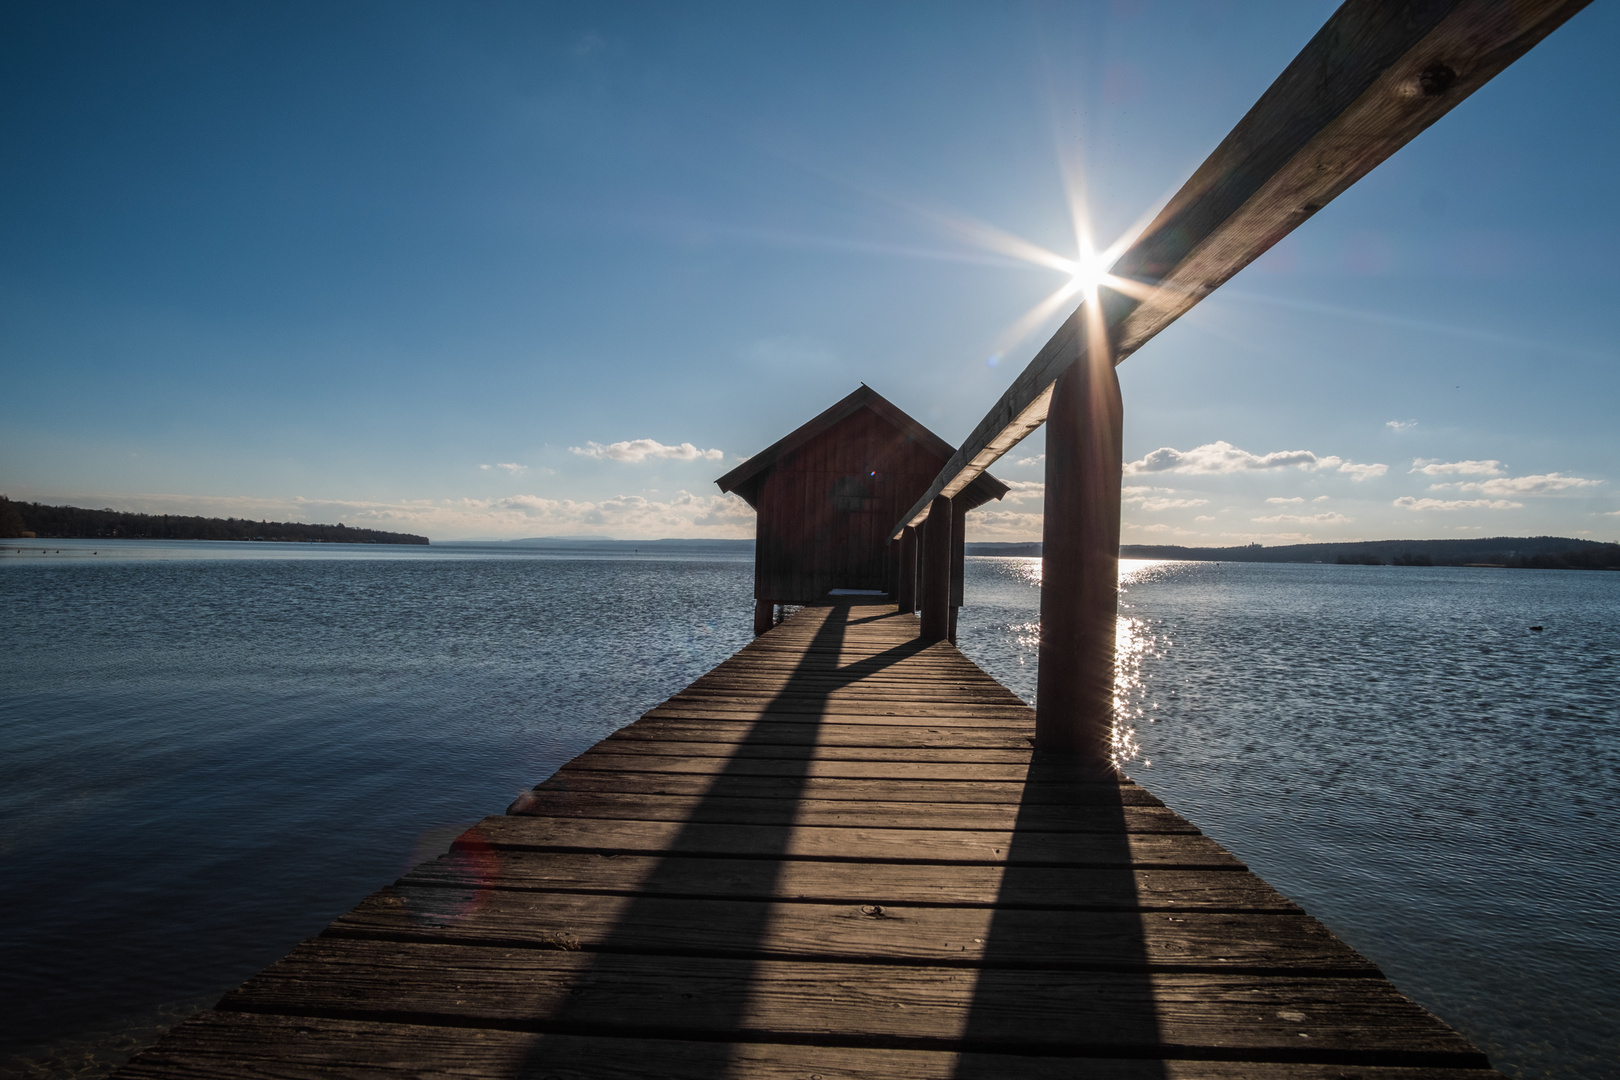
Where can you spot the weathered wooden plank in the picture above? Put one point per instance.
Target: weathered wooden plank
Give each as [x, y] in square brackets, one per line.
[934, 791]
[1075, 940]
[895, 713]
[871, 658]
[225, 1046]
[842, 813]
[778, 751]
[805, 700]
[737, 733]
[860, 656]
[917, 884]
[984, 847]
[789, 767]
[919, 688]
[953, 676]
[877, 660]
[1373, 78]
[862, 645]
[1349, 1020]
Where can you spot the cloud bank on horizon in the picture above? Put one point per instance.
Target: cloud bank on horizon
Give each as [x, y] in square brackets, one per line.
[1225, 493]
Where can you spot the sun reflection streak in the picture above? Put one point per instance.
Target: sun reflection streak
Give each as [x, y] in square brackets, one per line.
[1134, 641]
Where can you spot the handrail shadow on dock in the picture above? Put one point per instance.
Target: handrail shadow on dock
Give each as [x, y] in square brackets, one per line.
[771, 822]
[1058, 792]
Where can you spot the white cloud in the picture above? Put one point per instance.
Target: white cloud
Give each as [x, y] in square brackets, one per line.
[1406, 502]
[1169, 504]
[1542, 484]
[1269, 538]
[1203, 517]
[1401, 425]
[1222, 457]
[1024, 491]
[1328, 518]
[1436, 467]
[628, 515]
[1036, 460]
[1153, 498]
[1216, 457]
[1280, 499]
[1363, 472]
[1002, 525]
[635, 451]
[511, 467]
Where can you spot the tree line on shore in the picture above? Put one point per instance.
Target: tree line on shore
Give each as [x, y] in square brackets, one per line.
[25, 519]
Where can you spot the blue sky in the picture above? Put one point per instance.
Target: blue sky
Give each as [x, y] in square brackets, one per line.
[483, 270]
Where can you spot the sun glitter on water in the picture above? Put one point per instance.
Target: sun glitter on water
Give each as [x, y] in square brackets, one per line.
[1134, 641]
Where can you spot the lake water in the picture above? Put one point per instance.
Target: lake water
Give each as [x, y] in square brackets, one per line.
[208, 751]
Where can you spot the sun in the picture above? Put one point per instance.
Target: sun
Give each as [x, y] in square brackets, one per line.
[1088, 274]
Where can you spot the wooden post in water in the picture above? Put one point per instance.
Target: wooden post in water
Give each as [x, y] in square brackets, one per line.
[906, 590]
[936, 571]
[1074, 695]
[764, 615]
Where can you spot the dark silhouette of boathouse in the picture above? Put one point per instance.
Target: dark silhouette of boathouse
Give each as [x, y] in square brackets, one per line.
[828, 494]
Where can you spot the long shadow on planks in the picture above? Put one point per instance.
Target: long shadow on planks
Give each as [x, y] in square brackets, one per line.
[713, 985]
[1118, 1020]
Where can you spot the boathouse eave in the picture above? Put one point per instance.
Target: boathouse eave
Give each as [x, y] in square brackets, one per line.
[745, 479]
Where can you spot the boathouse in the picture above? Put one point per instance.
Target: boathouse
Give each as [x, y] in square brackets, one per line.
[827, 495]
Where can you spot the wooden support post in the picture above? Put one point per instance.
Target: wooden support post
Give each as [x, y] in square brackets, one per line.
[1074, 694]
[958, 560]
[906, 589]
[936, 572]
[764, 615]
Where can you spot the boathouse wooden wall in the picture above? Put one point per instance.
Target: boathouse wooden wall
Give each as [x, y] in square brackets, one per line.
[825, 509]
[827, 494]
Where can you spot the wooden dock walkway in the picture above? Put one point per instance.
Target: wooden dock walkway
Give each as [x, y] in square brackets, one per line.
[833, 856]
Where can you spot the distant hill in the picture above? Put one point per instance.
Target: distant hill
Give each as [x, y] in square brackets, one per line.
[607, 541]
[1531, 552]
[71, 522]
[1029, 551]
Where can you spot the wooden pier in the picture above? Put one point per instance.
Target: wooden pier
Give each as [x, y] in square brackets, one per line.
[849, 853]
[835, 855]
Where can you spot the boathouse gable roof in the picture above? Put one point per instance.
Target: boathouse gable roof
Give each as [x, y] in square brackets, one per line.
[746, 479]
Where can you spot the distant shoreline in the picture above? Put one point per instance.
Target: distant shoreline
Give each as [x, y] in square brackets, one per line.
[1506, 552]
[36, 521]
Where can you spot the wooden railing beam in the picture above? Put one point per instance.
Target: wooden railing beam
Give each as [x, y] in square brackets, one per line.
[1375, 75]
